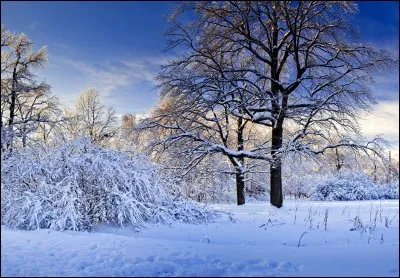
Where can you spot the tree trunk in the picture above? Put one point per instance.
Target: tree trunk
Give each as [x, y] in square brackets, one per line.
[11, 120]
[279, 112]
[339, 164]
[24, 139]
[276, 168]
[240, 189]
[44, 133]
[239, 172]
[12, 107]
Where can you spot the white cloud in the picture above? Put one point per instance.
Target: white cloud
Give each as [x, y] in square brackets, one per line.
[110, 76]
[384, 120]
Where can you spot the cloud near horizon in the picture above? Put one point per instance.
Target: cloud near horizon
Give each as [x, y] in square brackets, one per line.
[384, 120]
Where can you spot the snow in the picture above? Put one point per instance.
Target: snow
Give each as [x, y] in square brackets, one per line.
[231, 246]
[77, 185]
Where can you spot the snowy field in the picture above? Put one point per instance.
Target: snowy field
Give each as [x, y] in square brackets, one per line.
[361, 239]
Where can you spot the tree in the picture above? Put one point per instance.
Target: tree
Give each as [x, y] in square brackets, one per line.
[91, 118]
[197, 126]
[25, 102]
[48, 132]
[293, 62]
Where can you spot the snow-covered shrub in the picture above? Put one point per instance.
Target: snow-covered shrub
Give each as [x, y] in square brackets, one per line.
[340, 186]
[389, 190]
[299, 185]
[344, 186]
[77, 185]
[207, 182]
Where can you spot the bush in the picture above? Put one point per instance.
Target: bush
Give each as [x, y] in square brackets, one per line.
[78, 185]
[350, 186]
[389, 190]
[300, 186]
[207, 182]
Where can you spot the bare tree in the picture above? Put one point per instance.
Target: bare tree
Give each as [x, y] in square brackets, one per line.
[293, 63]
[25, 103]
[199, 123]
[91, 118]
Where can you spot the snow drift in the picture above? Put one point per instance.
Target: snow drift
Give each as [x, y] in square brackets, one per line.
[79, 184]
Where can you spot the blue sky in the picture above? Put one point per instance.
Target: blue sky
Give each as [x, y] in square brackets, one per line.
[117, 47]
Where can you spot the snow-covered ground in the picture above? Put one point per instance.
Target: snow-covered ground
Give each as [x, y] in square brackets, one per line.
[259, 241]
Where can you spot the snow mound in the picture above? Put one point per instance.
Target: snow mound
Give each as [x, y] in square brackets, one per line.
[79, 184]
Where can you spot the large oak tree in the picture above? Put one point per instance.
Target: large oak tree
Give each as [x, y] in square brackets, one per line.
[294, 67]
